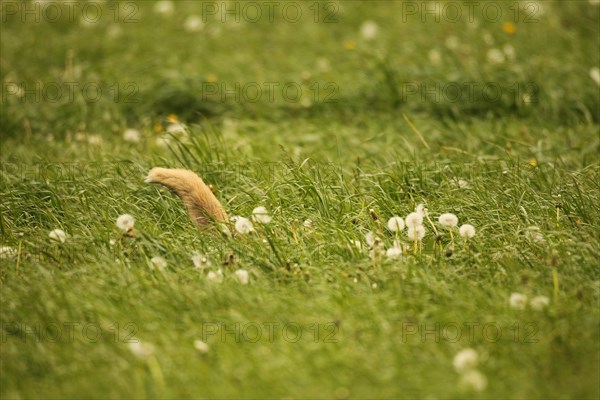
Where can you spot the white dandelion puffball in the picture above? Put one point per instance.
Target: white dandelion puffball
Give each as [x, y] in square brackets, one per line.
[473, 380]
[58, 235]
[421, 209]
[495, 56]
[395, 224]
[7, 252]
[261, 215]
[158, 262]
[416, 233]
[414, 219]
[242, 276]
[369, 30]
[509, 50]
[538, 303]
[518, 301]
[193, 23]
[132, 135]
[139, 349]
[216, 277]
[465, 359]
[595, 75]
[371, 239]
[125, 222]
[200, 261]
[467, 231]
[307, 223]
[201, 346]
[394, 253]
[435, 57]
[448, 219]
[243, 225]
[533, 233]
[176, 129]
[164, 7]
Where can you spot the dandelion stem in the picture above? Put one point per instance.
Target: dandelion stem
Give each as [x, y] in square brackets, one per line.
[415, 243]
[416, 131]
[19, 256]
[156, 372]
[555, 282]
[432, 224]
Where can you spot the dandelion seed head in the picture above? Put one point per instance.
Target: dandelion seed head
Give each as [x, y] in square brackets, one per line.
[7, 252]
[243, 276]
[435, 57]
[158, 262]
[132, 135]
[394, 253]
[465, 359]
[473, 380]
[164, 7]
[538, 303]
[243, 225]
[595, 75]
[421, 209]
[261, 215]
[509, 51]
[372, 239]
[201, 261]
[414, 219]
[467, 231]
[369, 30]
[395, 224]
[139, 349]
[58, 235]
[216, 277]
[533, 233]
[518, 301]
[495, 56]
[125, 222]
[201, 346]
[416, 233]
[448, 219]
[193, 23]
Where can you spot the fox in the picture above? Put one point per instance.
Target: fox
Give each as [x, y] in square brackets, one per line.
[202, 205]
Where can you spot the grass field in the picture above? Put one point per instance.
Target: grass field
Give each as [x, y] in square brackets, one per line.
[335, 116]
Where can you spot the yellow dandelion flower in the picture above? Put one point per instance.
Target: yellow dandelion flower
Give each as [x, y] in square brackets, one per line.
[211, 78]
[349, 44]
[509, 28]
[173, 118]
[533, 162]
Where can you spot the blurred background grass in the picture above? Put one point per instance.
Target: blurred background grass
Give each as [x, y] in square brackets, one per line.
[328, 158]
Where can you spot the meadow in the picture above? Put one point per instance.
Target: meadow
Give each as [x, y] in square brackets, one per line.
[335, 116]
